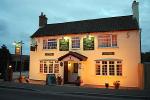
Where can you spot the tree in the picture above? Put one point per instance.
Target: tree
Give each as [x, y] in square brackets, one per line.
[5, 59]
[146, 57]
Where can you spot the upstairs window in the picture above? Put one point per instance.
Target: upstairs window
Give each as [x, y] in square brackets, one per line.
[75, 42]
[50, 44]
[107, 41]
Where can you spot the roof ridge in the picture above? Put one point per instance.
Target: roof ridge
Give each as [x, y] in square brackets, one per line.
[89, 19]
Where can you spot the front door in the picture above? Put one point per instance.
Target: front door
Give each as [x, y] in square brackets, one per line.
[65, 72]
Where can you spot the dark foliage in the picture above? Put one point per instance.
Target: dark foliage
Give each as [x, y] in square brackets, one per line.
[5, 61]
[146, 57]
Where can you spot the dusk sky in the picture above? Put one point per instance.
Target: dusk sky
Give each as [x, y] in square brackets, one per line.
[19, 19]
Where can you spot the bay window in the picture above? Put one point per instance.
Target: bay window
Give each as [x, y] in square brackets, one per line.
[111, 68]
[49, 67]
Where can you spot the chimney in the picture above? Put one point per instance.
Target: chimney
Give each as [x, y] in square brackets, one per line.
[135, 10]
[42, 20]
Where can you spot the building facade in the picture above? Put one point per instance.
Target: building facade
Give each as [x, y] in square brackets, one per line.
[99, 50]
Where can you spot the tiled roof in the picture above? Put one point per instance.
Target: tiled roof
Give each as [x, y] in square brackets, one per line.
[75, 54]
[87, 26]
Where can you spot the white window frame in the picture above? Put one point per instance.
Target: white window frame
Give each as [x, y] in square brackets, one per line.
[50, 43]
[48, 62]
[117, 71]
[75, 41]
[106, 40]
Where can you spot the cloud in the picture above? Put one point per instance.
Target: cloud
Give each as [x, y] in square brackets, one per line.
[19, 18]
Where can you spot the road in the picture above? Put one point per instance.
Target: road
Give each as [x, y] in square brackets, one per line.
[17, 94]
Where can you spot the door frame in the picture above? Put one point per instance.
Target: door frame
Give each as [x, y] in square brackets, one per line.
[65, 72]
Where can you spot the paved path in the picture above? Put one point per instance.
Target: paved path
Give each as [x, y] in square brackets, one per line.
[79, 91]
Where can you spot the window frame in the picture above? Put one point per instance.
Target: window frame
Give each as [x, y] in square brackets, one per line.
[75, 42]
[47, 70]
[107, 41]
[50, 44]
[103, 71]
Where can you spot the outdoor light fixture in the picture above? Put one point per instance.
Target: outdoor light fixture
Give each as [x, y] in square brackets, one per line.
[18, 51]
[88, 36]
[10, 66]
[69, 64]
[65, 38]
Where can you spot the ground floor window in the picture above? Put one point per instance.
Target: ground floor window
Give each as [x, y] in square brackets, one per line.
[48, 66]
[111, 68]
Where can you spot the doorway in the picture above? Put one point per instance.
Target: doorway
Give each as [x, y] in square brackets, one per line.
[70, 71]
[65, 72]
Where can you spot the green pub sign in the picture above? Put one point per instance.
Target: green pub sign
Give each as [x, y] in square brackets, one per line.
[64, 44]
[88, 43]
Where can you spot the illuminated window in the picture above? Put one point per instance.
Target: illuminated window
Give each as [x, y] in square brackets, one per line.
[50, 44]
[98, 68]
[49, 67]
[41, 68]
[111, 68]
[104, 67]
[56, 68]
[75, 42]
[107, 41]
[119, 69]
[45, 68]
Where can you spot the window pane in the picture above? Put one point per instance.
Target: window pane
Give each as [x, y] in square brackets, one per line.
[111, 70]
[56, 68]
[98, 70]
[75, 42]
[115, 68]
[104, 62]
[52, 44]
[119, 70]
[104, 69]
[45, 68]
[111, 62]
[107, 40]
[41, 68]
[44, 44]
[104, 41]
[51, 68]
[114, 40]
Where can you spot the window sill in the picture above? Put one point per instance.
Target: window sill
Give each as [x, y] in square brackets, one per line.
[46, 73]
[75, 48]
[48, 49]
[108, 76]
[108, 47]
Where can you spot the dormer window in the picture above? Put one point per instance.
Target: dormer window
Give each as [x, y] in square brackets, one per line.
[108, 40]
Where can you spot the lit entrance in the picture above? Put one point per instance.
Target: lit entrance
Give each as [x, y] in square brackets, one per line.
[72, 64]
[71, 69]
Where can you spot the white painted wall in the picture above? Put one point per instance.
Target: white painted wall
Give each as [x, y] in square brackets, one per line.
[128, 50]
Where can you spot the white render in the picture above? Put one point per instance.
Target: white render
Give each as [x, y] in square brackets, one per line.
[128, 50]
